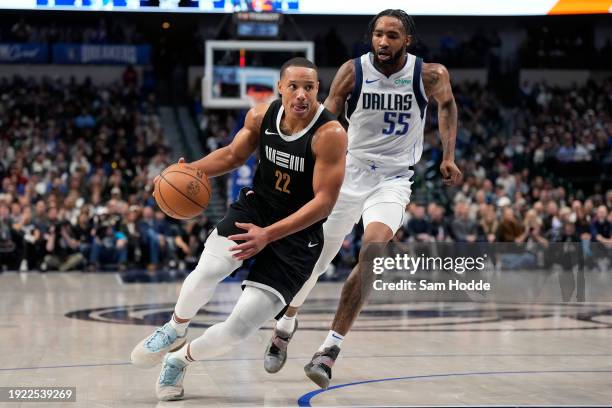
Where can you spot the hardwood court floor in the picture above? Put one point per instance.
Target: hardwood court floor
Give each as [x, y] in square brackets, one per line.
[78, 330]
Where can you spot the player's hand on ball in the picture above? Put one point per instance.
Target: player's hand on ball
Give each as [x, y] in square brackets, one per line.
[255, 238]
[156, 179]
[451, 175]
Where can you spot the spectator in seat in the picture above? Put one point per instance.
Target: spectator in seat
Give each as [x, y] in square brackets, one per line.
[190, 238]
[132, 231]
[151, 240]
[601, 228]
[34, 232]
[84, 233]
[109, 246]
[63, 248]
[509, 228]
[438, 226]
[567, 151]
[167, 236]
[552, 223]
[488, 224]
[532, 230]
[10, 240]
[463, 229]
[418, 227]
[601, 235]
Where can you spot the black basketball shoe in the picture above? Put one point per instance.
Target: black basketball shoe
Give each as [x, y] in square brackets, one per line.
[319, 370]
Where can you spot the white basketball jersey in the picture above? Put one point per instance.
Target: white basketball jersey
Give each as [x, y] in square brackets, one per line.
[386, 116]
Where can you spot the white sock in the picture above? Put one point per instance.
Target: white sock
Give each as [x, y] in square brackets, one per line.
[180, 328]
[332, 339]
[286, 324]
[182, 354]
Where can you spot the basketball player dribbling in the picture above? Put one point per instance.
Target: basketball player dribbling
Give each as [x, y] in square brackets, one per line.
[301, 168]
[384, 95]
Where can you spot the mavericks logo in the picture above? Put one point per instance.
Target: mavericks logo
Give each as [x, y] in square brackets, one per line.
[402, 81]
[385, 316]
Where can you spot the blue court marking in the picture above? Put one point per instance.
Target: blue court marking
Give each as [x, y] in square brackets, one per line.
[304, 400]
[64, 366]
[307, 358]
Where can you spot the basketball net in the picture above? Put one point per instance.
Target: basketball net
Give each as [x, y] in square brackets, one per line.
[257, 96]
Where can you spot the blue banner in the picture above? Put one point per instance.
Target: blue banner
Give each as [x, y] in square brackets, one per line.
[101, 54]
[26, 52]
[241, 177]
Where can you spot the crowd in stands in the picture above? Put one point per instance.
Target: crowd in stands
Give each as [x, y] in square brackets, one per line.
[77, 161]
[564, 46]
[103, 31]
[76, 169]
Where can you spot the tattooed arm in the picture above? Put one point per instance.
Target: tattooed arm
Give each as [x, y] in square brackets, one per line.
[341, 87]
[437, 85]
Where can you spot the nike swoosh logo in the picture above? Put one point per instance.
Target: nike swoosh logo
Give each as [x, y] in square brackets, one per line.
[267, 132]
[370, 81]
[311, 245]
[336, 337]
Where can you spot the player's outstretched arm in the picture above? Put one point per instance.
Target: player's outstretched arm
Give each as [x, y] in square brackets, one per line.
[329, 147]
[437, 85]
[341, 88]
[236, 153]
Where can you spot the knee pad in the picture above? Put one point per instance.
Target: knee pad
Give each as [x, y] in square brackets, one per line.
[216, 262]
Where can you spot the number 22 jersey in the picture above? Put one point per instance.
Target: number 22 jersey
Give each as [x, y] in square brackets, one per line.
[286, 163]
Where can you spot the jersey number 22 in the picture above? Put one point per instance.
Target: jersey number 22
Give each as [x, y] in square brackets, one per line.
[284, 179]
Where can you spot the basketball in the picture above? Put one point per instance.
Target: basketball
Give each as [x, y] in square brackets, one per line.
[182, 191]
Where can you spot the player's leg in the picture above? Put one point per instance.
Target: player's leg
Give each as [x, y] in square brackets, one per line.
[216, 263]
[275, 355]
[340, 223]
[254, 307]
[380, 222]
[382, 216]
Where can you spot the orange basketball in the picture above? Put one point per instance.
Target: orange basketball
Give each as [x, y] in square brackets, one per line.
[182, 191]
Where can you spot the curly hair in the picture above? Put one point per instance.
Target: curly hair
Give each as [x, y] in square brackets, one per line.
[401, 15]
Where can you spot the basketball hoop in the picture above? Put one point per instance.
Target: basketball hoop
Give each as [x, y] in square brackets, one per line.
[258, 95]
[257, 83]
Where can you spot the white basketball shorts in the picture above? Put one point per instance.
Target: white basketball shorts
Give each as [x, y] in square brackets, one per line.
[376, 197]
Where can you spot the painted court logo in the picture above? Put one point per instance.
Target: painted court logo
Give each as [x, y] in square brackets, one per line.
[383, 316]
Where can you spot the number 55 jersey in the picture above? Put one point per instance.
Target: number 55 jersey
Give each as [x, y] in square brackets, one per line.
[386, 116]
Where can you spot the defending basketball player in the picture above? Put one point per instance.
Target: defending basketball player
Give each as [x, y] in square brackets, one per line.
[278, 222]
[384, 95]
